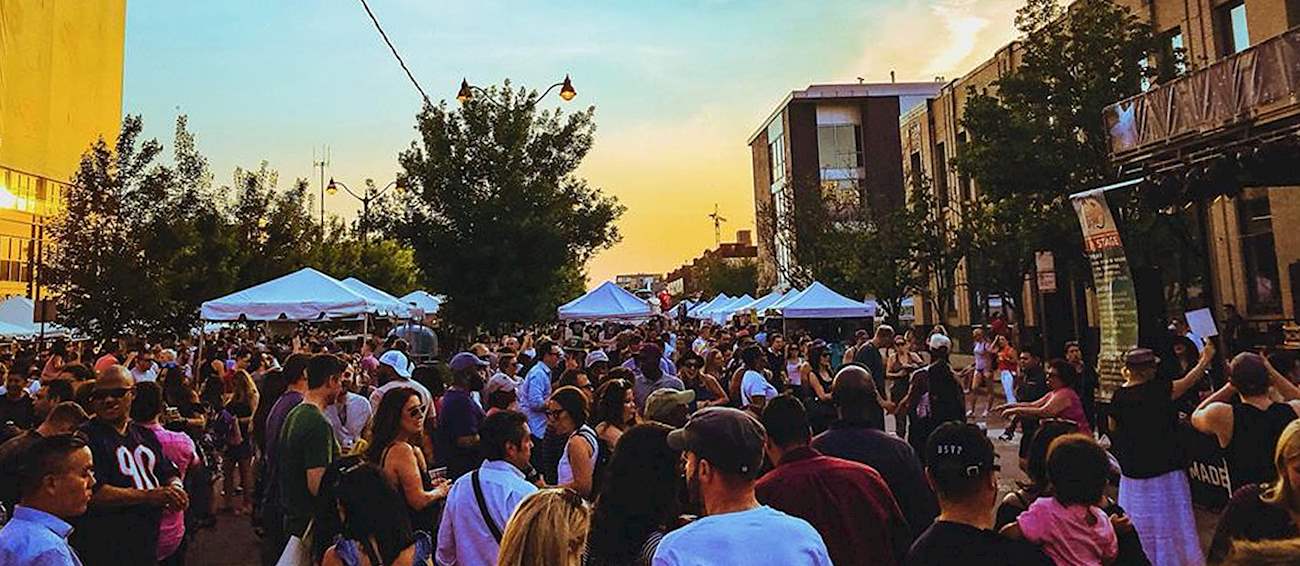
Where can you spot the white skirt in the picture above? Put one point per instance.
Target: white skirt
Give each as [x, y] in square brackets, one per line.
[1161, 511]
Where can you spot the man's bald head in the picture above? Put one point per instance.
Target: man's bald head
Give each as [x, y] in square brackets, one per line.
[113, 377]
[854, 391]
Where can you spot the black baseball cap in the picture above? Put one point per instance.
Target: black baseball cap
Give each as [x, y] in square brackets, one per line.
[961, 449]
[730, 439]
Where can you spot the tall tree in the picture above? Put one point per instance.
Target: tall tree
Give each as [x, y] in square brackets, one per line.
[499, 220]
[1038, 135]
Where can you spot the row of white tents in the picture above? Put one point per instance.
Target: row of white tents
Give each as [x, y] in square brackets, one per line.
[816, 301]
[611, 302]
[308, 294]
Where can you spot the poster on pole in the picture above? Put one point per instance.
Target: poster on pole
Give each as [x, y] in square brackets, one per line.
[1116, 298]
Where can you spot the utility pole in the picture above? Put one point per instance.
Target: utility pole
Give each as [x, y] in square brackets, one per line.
[321, 164]
[717, 225]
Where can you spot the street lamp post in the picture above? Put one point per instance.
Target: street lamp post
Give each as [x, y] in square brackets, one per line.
[365, 197]
[470, 92]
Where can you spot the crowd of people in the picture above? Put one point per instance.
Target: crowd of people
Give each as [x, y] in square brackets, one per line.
[659, 444]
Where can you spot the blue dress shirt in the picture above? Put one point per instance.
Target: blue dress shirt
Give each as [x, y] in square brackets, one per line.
[36, 538]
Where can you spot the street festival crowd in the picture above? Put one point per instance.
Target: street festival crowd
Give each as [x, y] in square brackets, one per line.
[660, 443]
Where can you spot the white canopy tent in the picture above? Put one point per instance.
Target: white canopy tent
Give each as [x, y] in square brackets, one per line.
[775, 307]
[756, 306]
[423, 300]
[387, 305]
[16, 314]
[702, 310]
[722, 313]
[606, 302]
[819, 301]
[305, 294]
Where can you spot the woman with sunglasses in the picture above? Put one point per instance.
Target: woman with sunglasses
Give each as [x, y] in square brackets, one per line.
[708, 392]
[816, 377]
[615, 410]
[394, 447]
[566, 417]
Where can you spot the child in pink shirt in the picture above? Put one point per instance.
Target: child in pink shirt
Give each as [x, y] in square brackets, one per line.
[1069, 525]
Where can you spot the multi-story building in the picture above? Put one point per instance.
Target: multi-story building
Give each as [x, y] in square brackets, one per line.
[1233, 96]
[1220, 137]
[60, 90]
[683, 282]
[839, 143]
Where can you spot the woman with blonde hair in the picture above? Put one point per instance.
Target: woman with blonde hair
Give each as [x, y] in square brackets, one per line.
[1267, 511]
[548, 529]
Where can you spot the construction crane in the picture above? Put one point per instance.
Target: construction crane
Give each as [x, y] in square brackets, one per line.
[717, 225]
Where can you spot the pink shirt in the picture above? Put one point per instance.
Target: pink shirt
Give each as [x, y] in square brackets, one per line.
[1073, 409]
[179, 448]
[1066, 536]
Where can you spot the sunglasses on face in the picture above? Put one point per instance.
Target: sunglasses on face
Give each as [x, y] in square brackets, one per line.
[416, 411]
[554, 413]
[692, 366]
[116, 393]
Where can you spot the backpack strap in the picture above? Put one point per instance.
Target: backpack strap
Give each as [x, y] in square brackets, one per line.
[483, 509]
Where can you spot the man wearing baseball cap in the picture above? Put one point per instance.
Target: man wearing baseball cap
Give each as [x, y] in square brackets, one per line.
[723, 453]
[597, 364]
[669, 406]
[961, 468]
[395, 371]
[934, 396]
[460, 417]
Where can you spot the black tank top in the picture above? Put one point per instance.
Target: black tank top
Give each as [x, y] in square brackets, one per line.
[421, 519]
[1254, 437]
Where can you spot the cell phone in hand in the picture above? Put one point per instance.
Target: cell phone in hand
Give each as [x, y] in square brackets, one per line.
[438, 473]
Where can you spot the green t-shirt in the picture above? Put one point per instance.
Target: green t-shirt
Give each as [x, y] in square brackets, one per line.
[306, 442]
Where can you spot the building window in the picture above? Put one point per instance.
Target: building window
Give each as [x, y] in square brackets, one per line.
[1259, 256]
[839, 147]
[1173, 55]
[963, 181]
[776, 153]
[941, 174]
[1231, 22]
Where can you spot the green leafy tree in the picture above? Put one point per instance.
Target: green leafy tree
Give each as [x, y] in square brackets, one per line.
[1038, 135]
[735, 278]
[499, 220]
[141, 243]
[942, 242]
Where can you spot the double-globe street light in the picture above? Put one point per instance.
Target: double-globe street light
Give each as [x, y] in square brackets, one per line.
[470, 92]
[365, 197]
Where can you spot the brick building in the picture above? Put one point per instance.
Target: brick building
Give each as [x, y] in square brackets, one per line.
[841, 139]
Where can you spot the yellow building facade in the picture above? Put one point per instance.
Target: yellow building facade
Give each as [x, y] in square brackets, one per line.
[60, 90]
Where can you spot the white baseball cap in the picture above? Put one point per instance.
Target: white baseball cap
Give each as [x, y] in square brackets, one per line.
[397, 360]
[938, 341]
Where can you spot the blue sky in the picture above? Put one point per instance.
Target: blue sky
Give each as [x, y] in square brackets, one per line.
[678, 85]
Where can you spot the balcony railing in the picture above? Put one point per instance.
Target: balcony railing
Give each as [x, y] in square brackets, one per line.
[1253, 86]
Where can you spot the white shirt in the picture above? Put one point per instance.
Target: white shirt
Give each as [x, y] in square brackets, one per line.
[754, 537]
[700, 345]
[378, 395]
[564, 472]
[753, 383]
[141, 376]
[348, 419]
[463, 537]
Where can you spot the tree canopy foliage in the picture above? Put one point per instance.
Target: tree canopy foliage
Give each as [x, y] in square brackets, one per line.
[140, 244]
[498, 219]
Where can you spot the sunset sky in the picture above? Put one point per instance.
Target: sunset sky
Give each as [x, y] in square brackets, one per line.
[678, 85]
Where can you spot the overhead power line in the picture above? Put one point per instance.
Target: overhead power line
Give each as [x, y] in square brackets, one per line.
[394, 50]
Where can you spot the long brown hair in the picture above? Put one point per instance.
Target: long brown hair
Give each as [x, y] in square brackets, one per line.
[387, 422]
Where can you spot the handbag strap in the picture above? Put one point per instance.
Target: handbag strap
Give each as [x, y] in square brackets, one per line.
[483, 508]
